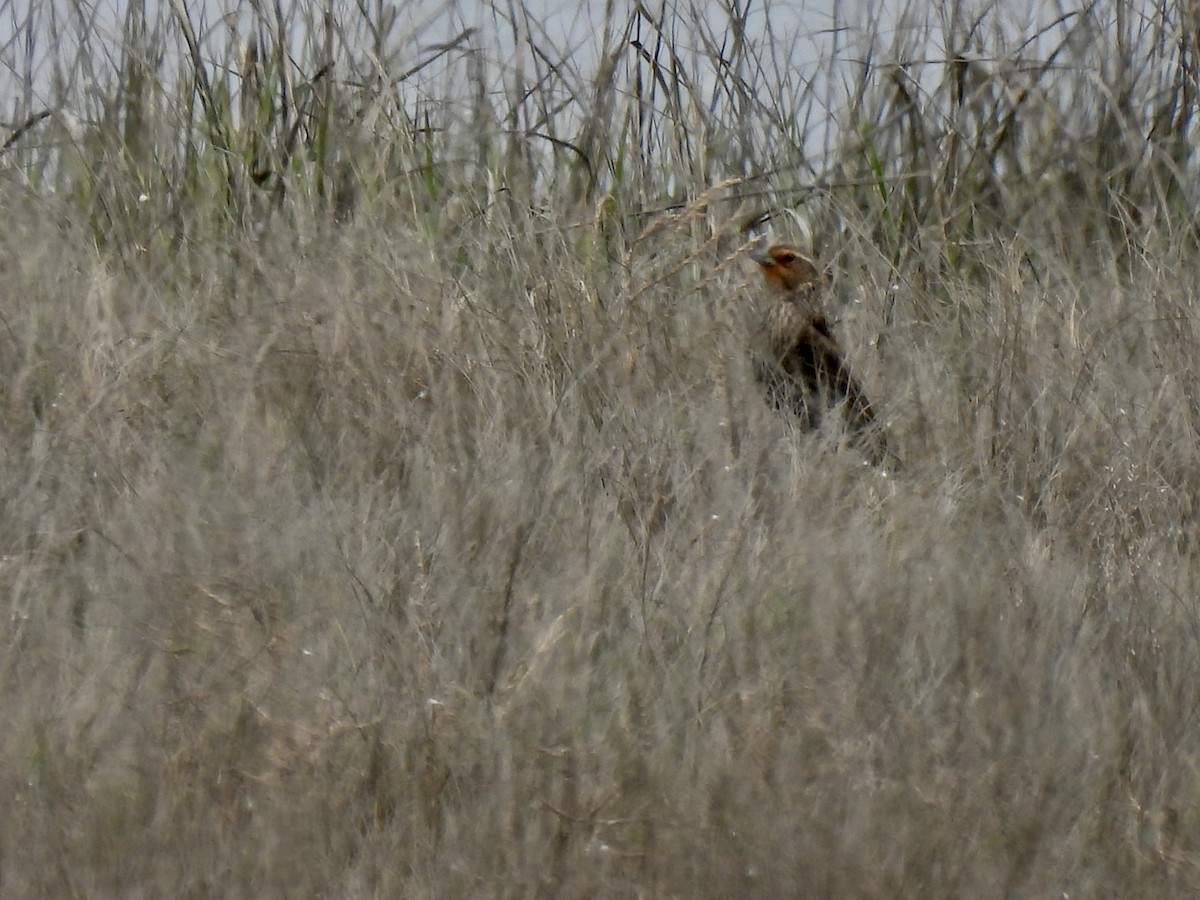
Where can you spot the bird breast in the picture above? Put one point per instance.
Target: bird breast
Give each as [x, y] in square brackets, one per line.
[786, 322]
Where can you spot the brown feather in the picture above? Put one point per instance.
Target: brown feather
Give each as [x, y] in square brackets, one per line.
[797, 358]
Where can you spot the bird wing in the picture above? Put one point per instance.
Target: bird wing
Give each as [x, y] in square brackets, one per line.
[798, 360]
[816, 359]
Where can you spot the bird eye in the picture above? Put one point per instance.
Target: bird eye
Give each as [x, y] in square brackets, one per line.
[787, 258]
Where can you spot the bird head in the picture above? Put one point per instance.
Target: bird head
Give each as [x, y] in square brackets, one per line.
[786, 269]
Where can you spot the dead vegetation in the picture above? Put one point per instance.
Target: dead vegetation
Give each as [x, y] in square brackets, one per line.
[431, 538]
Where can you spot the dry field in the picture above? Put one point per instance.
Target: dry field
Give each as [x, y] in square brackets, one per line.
[389, 509]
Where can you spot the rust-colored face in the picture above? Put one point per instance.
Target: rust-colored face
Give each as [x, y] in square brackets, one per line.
[786, 268]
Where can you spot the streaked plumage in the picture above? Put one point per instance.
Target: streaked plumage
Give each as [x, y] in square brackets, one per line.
[798, 360]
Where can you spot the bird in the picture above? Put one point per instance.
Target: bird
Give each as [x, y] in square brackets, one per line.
[798, 360]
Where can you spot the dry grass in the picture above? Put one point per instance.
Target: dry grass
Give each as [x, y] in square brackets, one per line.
[427, 535]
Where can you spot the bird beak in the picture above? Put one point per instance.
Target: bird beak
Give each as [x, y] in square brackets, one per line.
[762, 257]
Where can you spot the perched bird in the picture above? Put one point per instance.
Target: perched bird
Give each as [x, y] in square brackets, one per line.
[798, 360]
